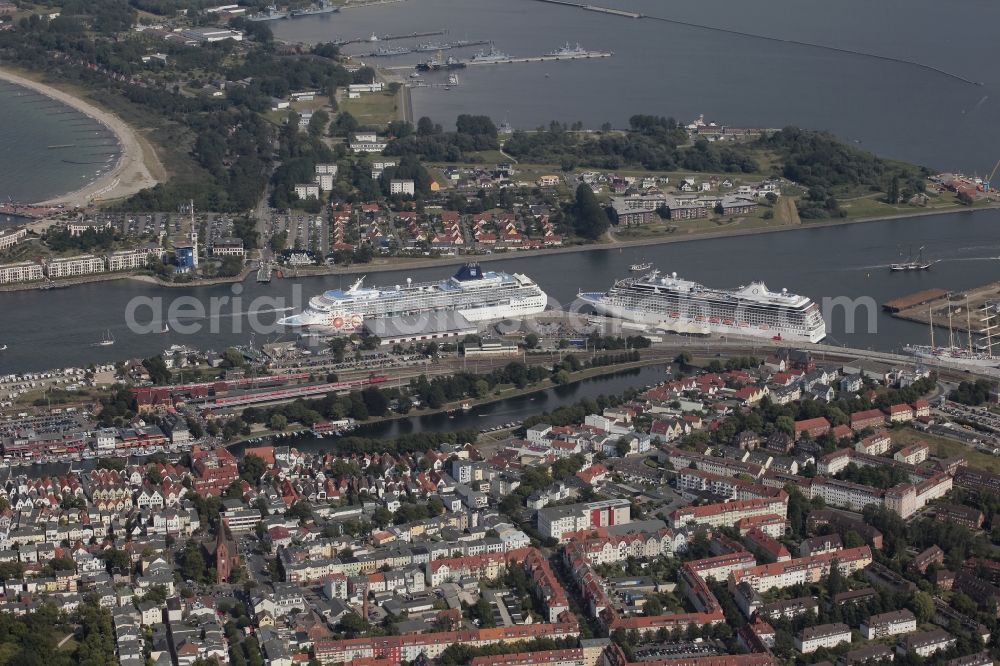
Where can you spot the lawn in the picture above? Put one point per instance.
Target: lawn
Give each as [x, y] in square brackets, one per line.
[376, 109]
[943, 447]
[873, 206]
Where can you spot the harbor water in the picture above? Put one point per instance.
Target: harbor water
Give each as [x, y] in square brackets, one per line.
[845, 265]
[48, 148]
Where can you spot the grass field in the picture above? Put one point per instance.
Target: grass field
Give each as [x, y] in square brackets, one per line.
[943, 447]
[373, 108]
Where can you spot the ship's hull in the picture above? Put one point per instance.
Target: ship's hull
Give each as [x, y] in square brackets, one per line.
[703, 324]
[348, 322]
[983, 361]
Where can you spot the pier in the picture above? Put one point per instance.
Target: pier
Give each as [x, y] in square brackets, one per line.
[442, 47]
[29, 211]
[389, 38]
[964, 307]
[543, 58]
[506, 61]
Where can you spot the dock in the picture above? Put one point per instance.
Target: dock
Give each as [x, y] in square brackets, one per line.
[264, 272]
[389, 38]
[912, 300]
[542, 58]
[965, 308]
[506, 61]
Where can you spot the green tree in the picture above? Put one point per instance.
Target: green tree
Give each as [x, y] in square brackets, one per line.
[278, 422]
[589, 219]
[252, 468]
[922, 605]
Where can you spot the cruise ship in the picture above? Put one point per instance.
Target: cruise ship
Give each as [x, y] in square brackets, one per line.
[672, 304]
[476, 295]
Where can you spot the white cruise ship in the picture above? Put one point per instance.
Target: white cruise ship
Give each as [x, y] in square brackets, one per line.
[476, 295]
[669, 303]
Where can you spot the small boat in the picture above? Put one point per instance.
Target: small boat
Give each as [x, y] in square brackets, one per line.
[3, 348]
[638, 268]
[166, 328]
[106, 341]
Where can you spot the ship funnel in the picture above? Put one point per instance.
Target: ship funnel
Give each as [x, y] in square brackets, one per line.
[674, 275]
[409, 281]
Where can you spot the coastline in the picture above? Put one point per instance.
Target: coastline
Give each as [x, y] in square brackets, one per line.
[639, 242]
[130, 173]
[417, 264]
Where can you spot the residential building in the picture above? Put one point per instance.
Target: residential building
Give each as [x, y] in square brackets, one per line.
[23, 271]
[127, 260]
[11, 237]
[889, 624]
[555, 522]
[307, 190]
[926, 643]
[400, 186]
[811, 639]
[84, 264]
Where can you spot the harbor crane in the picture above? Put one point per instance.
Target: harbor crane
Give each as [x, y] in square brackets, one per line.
[986, 183]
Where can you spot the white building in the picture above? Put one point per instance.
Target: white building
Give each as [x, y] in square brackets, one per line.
[77, 228]
[367, 142]
[127, 260]
[23, 271]
[228, 247]
[11, 237]
[85, 264]
[824, 635]
[889, 624]
[556, 521]
[926, 643]
[324, 181]
[397, 186]
[327, 168]
[306, 190]
[374, 86]
[209, 35]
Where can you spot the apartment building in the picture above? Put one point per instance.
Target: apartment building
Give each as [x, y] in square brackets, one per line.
[11, 237]
[811, 639]
[22, 271]
[802, 570]
[889, 624]
[557, 521]
[127, 260]
[84, 264]
[727, 514]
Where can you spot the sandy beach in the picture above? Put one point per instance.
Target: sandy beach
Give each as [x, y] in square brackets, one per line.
[129, 175]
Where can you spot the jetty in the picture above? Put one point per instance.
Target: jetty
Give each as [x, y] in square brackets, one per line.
[373, 38]
[542, 58]
[587, 55]
[27, 210]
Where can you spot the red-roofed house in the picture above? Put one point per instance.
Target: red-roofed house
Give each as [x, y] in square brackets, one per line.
[815, 427]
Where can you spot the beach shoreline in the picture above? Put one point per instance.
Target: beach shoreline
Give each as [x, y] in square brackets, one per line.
[130, 173]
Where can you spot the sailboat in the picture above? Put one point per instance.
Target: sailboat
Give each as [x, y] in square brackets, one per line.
[107, 340]
[910, 264]
[957, 354]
